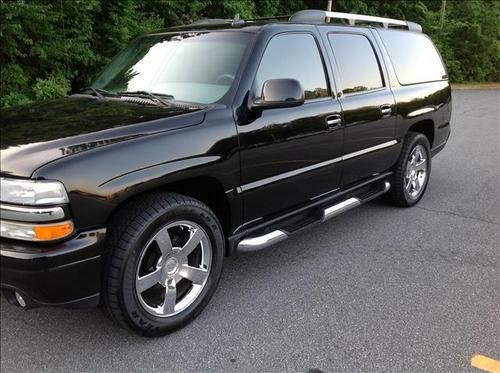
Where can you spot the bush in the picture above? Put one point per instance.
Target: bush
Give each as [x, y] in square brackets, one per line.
[52, 87]
[13, 98]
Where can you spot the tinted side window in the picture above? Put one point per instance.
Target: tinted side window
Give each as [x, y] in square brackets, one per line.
[414, 57]
[357, 63]
[294, 56]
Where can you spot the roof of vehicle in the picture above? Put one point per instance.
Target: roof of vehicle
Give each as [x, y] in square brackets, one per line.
[309, 16]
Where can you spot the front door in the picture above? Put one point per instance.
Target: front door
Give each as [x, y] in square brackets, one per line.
[290, 155]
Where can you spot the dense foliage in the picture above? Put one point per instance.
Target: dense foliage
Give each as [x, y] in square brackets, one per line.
[49, 47]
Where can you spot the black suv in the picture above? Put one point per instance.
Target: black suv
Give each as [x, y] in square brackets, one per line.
[204, 140]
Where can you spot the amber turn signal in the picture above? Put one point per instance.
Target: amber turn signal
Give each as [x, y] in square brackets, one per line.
[52, 231]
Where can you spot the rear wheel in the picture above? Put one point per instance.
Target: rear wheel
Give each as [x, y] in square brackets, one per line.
[165, 260]
[411, 172]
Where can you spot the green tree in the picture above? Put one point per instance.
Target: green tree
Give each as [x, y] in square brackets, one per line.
[48, 47]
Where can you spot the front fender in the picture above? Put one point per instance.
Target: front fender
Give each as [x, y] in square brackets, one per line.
[98, 181]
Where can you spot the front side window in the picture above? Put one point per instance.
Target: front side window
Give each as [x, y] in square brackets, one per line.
[357, 63]
[197, 67]
[294, 56]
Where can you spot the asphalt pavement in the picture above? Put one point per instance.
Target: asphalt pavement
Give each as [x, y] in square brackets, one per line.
[378, 289]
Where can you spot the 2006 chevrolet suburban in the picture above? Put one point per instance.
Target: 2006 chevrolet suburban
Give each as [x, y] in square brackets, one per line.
[203, 140]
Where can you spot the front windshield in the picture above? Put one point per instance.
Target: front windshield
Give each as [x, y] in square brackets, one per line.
[197, 67]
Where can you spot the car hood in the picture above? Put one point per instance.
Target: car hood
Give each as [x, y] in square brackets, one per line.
[35, 134]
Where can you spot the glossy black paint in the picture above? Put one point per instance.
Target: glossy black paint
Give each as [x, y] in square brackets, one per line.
[256, 164]
[36, 134]
[66, 273]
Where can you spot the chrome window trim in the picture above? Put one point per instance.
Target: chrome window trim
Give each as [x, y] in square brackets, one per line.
[31, 214]
[299, 171]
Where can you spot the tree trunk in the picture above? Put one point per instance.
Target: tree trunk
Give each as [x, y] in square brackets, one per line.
[328, 9]
[441, 14]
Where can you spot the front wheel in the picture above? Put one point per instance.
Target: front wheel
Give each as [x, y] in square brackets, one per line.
[412, 171]
[165, 259]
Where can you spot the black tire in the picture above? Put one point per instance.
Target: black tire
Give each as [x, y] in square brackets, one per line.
[398, 195]
[129, 234]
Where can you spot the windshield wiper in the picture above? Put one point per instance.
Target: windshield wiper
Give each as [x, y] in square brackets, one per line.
[150, 95]
[100, 93]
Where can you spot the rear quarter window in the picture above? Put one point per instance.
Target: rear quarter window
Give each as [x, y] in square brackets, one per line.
[414, 57]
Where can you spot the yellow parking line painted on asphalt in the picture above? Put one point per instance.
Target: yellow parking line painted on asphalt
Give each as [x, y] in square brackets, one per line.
[485, 363]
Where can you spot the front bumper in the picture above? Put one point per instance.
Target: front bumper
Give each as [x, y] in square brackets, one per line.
[62, 274]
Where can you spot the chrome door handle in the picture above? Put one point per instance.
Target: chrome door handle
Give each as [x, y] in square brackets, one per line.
[333, 121]
[386, 110]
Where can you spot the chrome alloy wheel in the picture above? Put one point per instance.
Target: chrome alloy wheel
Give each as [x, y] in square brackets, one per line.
[173, 268]
[416, 172]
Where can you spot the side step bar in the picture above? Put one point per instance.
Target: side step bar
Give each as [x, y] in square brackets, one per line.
[339, 208]
[261, 242]
[350, 203]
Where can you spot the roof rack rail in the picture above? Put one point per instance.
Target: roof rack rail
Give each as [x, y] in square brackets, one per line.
[267, 18]
[321, 16]
[236, 21]
[211, 21]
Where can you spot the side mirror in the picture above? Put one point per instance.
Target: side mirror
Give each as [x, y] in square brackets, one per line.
[280, 93]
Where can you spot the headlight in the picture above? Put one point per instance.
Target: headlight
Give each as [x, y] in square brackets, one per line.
[32, 192]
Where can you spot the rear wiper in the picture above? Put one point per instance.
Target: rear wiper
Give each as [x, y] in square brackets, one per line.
[100, 93]
[152, 96]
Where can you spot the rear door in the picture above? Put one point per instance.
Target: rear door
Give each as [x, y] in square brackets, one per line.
[368, 105]
[290, 155]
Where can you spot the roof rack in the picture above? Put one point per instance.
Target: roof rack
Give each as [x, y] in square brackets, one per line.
[211, 21]
[236, 21]
[314, 16]
[322, 16]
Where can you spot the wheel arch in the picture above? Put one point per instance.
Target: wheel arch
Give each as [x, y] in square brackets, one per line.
[425, 127]
[206, 189]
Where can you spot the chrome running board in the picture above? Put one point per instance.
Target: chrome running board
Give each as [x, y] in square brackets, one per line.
[350, 203]
[261, 242]
[339, 208]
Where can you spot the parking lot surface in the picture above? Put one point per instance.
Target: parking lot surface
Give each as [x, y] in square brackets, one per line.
[378, 289]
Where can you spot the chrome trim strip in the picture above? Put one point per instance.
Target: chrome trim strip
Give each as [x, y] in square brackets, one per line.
[261, 242]
[31, 214]
[299, 171]
[339, 208]
[323, 194]
[286, 175]
[79, 261]
[369, 150]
